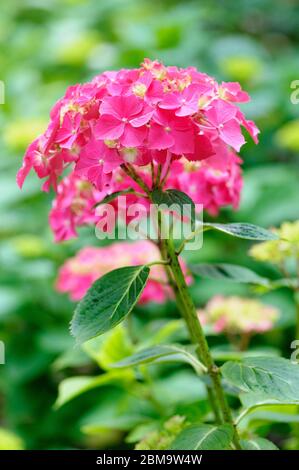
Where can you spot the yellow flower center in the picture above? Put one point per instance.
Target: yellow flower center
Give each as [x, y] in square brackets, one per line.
[139, 89]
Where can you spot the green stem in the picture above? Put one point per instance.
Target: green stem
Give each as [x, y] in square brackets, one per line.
[157, 182]
[214, 404]
[189, 313]
[130, 171]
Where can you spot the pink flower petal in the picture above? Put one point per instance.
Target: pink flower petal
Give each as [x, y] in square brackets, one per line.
[220, 112]
[133, 137]
[231, 134]
[170, 101]
[183, 142]
[158, 138]
[109, 127]
[142, 119]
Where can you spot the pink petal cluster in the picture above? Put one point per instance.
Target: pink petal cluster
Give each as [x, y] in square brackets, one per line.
[236, 315]
[148, 116]
[78, 273]
[150, 109]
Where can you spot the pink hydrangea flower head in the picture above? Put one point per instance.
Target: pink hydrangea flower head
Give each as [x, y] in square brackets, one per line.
[144, 117]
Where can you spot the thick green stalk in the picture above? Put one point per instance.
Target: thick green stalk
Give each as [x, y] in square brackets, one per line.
[214, 404]
[189, 313]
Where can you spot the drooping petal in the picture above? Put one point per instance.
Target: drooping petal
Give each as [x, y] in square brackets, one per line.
[27, 163]
[231, 134]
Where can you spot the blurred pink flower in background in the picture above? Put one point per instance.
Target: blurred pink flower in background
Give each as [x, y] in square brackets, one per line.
[78, 273]
[237, 315]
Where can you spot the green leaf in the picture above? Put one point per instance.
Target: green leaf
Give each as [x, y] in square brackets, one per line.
[164, 332]
[204, 437]
[228, 272]
[274, 379]
[110, 347]
[291, 283]
[243, 230]
[74, 386]
[119, 409]
[226, 352]
[173, 196]
[115, 195]
[257, 410]
[109, 300]
[179, 389]
[260, 406]
[73, 357]
[161, 354]
[258, 443]
[251, 401]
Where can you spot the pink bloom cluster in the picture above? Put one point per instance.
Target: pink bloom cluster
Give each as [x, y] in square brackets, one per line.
[78, 273]
[145, 117]
[236, 315]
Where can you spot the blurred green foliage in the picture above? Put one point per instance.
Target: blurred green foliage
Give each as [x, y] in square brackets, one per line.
[47, 45]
